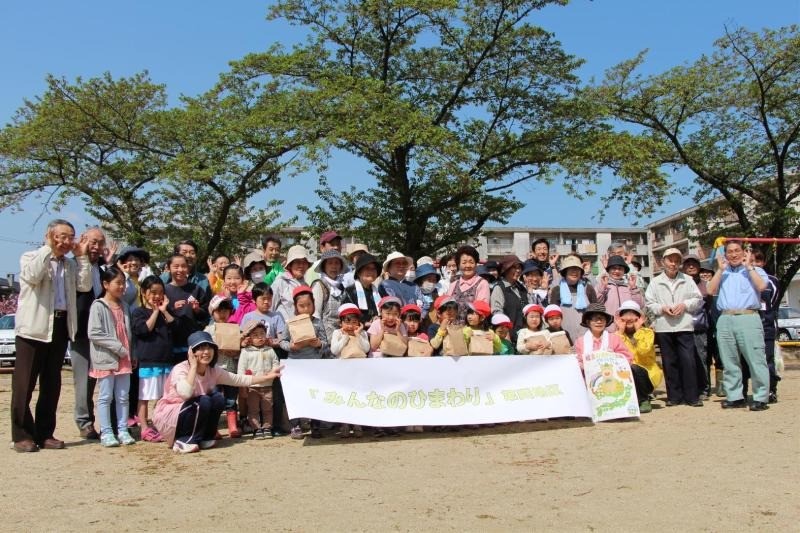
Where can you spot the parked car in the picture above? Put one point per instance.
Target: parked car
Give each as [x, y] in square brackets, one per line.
[788, 324]
[8, 350]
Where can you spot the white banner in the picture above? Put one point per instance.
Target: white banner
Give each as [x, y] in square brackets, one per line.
[435, 391]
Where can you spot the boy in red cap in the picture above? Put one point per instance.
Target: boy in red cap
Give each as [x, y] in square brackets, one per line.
[502, 326]
[553, 318]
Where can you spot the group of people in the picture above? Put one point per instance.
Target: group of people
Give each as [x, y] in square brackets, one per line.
[202, 344]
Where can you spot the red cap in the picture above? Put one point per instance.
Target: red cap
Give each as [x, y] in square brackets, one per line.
[410, 308]
[302, 289]
[481, 307]
[329, 236]
[348, 309]
[532, 308]
[441, 300]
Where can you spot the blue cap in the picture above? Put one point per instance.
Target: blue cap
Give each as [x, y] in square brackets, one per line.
[200, 337]
[426, 270]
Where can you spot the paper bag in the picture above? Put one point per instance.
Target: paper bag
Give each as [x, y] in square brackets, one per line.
[560, 343]
[301, 328]
[228, 339]
[352, 350]
[538, 337]
[480, 344]
[392, 346]
[419, 348]
[455, 335]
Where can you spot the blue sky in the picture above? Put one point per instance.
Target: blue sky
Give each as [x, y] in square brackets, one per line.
[186, 44]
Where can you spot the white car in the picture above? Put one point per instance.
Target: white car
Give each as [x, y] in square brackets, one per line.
[788, 324]
[8, 350]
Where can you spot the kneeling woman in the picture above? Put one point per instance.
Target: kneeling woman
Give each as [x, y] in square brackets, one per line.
[188, 414]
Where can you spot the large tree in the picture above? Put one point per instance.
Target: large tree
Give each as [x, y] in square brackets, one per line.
[451, 103]
[151, 173]
[733, 119]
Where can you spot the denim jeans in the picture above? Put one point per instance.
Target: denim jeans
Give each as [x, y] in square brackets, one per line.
[113, 388]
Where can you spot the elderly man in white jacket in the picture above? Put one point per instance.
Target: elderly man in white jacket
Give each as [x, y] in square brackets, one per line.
[46, 319]
[671, 299]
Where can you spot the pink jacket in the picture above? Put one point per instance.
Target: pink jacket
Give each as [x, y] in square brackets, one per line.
[165, 416]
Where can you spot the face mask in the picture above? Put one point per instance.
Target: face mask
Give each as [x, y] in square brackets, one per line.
[428, 286]
[258, 277]
[410, 275]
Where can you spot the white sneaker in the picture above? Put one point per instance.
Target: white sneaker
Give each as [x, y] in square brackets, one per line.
[207, 444]
[182, 447]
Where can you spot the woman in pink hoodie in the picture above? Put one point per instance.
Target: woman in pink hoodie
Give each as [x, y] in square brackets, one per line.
[188, 413]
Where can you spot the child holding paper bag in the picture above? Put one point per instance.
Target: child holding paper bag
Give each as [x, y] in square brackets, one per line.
[305, 340]
[418, 345]
[560, 340]
[532, 340]
[227, 337]
[349, 342]
[388, 336]
[439, 334]
[479, 338]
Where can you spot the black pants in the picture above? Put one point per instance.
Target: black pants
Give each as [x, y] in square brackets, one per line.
[641, 380]
[199, 418]
[680, 367]
[42, 361]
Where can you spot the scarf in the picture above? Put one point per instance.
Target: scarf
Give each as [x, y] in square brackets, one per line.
[566, 295]
[588, 344]
[362, 297]
[335, 285]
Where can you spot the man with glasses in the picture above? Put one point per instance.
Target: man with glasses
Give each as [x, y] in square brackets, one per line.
[738, 284]
[46, 319]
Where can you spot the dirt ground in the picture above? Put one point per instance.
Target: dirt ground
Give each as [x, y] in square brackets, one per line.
[678, 468]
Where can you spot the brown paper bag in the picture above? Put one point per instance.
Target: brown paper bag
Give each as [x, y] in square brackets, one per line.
[457, 344]
[481, 344]
[419, 348]
[560, 343]
[228, 338]
[301, 328]
[352, 350]
[392, 346]
[538, 336]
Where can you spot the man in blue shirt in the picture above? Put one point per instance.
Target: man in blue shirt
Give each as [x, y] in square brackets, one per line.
[738, 285]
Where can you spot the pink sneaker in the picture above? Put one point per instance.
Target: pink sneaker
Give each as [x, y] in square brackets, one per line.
[151, 434]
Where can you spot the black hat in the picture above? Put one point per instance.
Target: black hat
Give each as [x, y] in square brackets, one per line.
[595, 309]
[134, 251]
[618, 261]
[365, 260]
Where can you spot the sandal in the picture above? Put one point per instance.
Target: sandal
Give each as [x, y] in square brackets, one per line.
[151, 434]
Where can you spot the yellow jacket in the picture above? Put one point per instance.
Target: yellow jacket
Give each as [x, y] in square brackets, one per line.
[643, 348]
